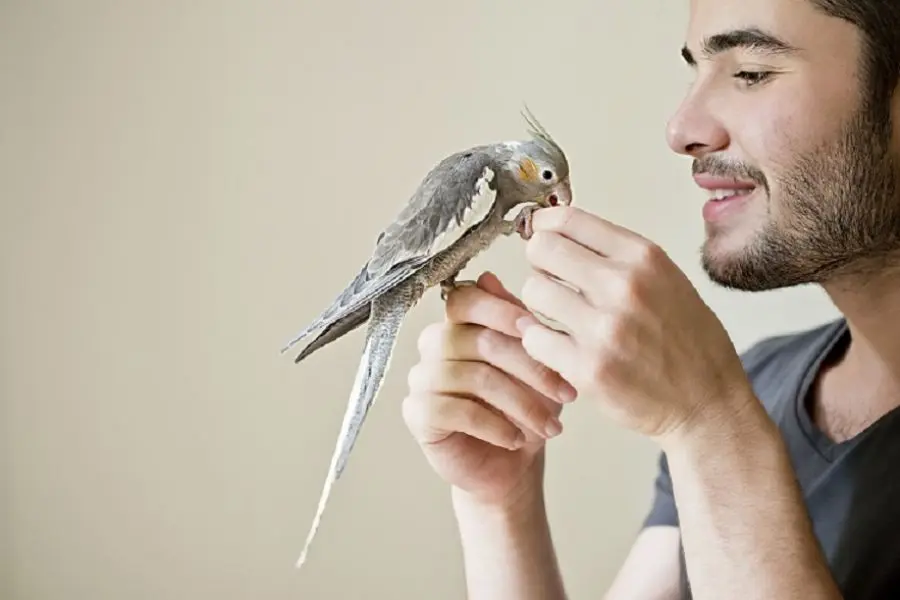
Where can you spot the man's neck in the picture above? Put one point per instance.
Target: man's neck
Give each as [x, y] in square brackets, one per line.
[869, 369]
[871, 309]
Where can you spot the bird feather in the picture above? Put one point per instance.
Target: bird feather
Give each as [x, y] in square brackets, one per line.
[454, 196]
[388, 313]
[455, 213]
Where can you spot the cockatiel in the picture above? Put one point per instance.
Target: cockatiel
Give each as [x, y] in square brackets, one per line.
[457, 211]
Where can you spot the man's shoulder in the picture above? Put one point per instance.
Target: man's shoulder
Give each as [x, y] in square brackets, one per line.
[781, 359]
[776, 350]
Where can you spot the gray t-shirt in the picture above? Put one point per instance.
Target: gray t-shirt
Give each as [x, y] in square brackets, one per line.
[851, 489]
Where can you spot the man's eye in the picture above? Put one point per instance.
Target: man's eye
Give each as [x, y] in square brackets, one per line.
[753, 77]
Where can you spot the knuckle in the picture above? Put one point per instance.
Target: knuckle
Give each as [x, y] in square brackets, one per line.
[424, 376]
[598, 333]
[650, 254]
[418, 414]
[411, 410]
[626, 286]
[431, 338]
[414, 377]
[609, 332]
[610, 351]
[600, 328]
[423, 413]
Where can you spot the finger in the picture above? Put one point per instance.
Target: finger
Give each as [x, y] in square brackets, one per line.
[489, 384]
[491, 284]
[589, 230]
[432, 418]
[551, 348]
[556, 301]
[474, 305]
[476, 343]
[560, 257]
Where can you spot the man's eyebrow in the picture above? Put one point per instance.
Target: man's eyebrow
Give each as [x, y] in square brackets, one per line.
[750, 38]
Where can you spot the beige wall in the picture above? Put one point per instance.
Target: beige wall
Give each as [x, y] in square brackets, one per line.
[173, 175]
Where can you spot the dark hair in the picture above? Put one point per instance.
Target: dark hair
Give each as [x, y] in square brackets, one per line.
[879, 25]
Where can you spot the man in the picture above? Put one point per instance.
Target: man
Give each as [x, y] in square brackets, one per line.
[778, 468]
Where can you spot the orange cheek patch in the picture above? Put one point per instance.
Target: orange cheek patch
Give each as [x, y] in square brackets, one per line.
[528, 171]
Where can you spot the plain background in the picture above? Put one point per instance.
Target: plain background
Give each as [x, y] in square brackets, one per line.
[185, 184]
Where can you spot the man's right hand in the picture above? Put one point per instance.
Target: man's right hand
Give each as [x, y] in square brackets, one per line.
[479, 406]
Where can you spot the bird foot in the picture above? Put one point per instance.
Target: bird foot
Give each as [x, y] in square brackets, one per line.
[522, 222]
[448, 285]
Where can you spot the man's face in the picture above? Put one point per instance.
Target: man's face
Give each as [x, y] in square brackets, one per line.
[778, 122]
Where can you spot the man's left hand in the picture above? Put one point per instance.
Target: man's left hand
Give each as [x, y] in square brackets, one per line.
[639, 337]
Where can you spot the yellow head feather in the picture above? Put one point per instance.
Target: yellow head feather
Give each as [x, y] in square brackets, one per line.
[528, 170]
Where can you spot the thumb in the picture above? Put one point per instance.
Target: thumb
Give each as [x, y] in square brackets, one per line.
[492, 285]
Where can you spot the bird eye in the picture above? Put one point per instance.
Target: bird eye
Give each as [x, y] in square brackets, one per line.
[547, 175]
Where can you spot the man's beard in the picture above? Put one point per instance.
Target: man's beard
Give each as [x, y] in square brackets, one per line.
[839, 213]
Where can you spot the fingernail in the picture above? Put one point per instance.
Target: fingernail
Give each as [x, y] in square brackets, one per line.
[567, 393]
[553, 427]
[523, 323]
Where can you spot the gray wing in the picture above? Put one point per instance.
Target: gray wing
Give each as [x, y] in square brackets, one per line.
[457, 194]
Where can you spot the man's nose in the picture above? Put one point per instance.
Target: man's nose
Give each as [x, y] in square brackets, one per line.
[694, 131]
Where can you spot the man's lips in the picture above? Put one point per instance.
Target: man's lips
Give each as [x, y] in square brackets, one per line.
[725, 195]
[709, 182]
[723, 189]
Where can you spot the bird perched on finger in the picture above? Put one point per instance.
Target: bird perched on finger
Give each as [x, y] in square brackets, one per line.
[458, 210]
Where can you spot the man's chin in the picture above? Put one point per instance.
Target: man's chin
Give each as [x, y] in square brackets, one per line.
[738, 268]
[729, 276]
[753, 269]
[722, 253]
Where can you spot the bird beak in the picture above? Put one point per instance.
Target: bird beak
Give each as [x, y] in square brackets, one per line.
[561, 195]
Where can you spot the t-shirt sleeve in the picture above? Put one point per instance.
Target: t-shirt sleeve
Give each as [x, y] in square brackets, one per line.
[662, 509]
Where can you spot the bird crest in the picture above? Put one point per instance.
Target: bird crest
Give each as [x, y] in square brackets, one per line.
[540, 134]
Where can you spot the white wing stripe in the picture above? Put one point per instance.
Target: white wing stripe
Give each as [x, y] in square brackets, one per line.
[482, 201]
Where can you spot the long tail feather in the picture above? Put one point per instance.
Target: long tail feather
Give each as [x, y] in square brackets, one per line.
[384, 325]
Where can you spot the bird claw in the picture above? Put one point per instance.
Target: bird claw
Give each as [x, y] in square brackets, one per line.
[522, 223]
[448, 285]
